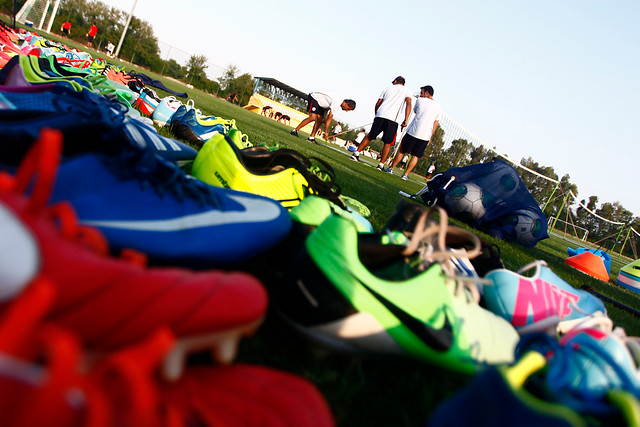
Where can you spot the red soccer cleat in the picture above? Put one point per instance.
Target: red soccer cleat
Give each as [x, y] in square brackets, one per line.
[111, 302]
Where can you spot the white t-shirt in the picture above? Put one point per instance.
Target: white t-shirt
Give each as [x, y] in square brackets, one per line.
[427, 112]
[393, 99]
[326, 99]
[360, 137]
[431, 169]
[337, 129]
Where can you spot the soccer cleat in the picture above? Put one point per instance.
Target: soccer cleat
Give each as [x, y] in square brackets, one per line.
[43, 366]
[110, 302]
[404, 177]
[245, 395]
[345, 290]
[283, 175]
[294, 132]
[199, 130]
[508, 396]
[543, 301]
[313, 210]
[140, 201]
[585, 366]
[355, 156]
[311, 139]
[165, 110]
[388, 170]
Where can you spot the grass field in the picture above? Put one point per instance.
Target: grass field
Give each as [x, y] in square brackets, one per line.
[379, 392]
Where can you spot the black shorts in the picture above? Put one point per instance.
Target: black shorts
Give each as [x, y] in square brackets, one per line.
[315, 108]
[414, 146]
[65, 31]
[389, 130]
[90, 39]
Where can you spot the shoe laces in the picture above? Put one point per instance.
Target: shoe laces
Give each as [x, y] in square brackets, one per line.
[428, 239]
[585, 343]
[117, 390]
[163, 176]
[36, 177]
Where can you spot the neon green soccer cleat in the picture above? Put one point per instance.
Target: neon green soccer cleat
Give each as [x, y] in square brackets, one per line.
[283, 175]
[332, 291]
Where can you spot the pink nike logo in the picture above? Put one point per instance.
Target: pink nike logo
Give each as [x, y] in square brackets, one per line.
[542, 300]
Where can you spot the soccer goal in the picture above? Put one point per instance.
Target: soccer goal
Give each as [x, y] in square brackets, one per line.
[566, 228]
[34, 13]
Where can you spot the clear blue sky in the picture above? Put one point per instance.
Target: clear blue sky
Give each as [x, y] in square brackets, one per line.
[554, 80]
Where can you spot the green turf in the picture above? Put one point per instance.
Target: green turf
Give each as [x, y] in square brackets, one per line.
[379, 392]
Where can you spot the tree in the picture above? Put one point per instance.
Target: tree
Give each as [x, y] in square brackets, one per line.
[540, 188]
[458, 154]
[481, 155]
[175, 70]
[241, 85]
[228, 76]
[195, 70]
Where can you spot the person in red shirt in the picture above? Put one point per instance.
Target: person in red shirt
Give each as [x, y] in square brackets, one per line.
[91, 34]
[66, 28]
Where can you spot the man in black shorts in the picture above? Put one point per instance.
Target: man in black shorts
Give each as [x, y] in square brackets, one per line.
[420, 131]
[320, 109]
[393, 107]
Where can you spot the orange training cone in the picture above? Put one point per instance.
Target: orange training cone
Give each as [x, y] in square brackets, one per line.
[589, 263]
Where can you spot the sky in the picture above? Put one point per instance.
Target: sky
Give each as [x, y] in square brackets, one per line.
[554, 80]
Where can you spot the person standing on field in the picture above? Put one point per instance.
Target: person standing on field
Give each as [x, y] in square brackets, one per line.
[389, 113]
[92, 34]
[66, 28]
[420, 131]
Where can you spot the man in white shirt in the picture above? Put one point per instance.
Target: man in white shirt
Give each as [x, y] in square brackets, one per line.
[336, 131]
[420, 131]
[389, 113]
[320, 109]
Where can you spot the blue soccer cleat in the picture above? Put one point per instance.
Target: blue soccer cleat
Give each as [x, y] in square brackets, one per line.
[141, 201]
[543, 301]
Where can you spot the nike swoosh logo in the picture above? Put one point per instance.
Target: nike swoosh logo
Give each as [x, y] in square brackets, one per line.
[437, 339]
[255, 210]
[206, 136]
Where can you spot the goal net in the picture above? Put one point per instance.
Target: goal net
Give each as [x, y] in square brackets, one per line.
[34, 13]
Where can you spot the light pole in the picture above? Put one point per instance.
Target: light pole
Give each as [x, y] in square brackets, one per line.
[126, 27]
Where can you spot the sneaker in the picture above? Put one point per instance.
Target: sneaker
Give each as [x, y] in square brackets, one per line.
[42, 366]
[313, 210]
[198, 131]
[165, 110]
[283, 175]
[294, 132]
[209, 309]
[380, 166]
[355, 156]
[506, 396]
[542, 302]
[404, 177]
[311, 139]
[333, 292]
[140, 201]
[388, 170]
[585, 365]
